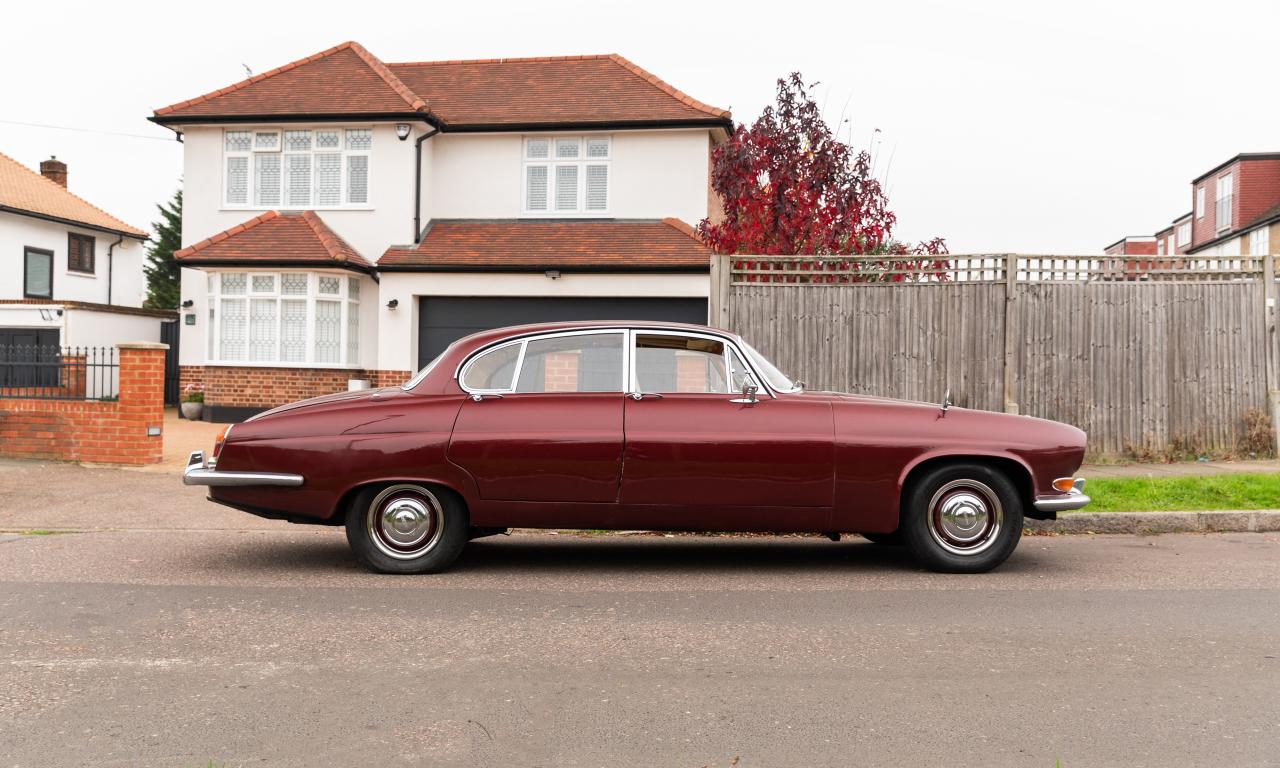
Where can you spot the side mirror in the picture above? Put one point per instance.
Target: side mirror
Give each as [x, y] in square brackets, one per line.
[749, 390]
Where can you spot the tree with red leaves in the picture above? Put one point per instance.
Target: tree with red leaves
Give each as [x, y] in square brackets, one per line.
[790, 187]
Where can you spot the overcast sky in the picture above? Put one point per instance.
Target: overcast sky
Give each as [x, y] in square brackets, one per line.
[1012, 126]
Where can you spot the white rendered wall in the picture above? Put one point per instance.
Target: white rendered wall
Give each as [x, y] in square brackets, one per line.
[129, 282]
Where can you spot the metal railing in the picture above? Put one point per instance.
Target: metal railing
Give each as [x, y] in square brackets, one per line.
[46, 372]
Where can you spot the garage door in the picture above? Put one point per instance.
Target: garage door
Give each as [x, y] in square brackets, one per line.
[443, 320]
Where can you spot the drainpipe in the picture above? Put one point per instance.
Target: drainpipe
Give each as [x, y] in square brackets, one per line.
[110, 255]
[417, 181]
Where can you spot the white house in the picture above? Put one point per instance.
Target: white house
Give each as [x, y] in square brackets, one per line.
[347, 219]
[72, 274]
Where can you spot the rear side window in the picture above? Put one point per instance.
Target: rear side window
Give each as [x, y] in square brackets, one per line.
[582, 363]
[493, 370]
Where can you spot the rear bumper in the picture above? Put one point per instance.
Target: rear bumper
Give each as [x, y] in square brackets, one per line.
[1064, 502]
[199, 472]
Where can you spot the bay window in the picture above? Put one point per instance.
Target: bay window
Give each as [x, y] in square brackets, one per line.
[284, 318]
[296, 168]
[565, 175]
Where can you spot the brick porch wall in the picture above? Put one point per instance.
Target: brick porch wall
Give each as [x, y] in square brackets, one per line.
[259, 387]
[89, 430]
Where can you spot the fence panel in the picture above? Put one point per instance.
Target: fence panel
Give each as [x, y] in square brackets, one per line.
[1140, 357]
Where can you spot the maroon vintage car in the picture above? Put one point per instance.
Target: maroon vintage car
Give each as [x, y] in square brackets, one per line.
[642, 425]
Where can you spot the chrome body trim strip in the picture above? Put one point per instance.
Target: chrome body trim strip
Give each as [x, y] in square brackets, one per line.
[198, 472]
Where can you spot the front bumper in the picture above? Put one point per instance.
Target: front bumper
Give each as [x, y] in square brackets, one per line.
[198, 472]
[1064, 502]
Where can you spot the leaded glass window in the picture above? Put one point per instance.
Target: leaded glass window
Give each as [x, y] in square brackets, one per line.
[328, 331]
[291, 318]
[297, 168]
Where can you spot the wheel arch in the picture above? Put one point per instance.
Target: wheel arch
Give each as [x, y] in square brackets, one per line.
[344, 499]
[1014, 468]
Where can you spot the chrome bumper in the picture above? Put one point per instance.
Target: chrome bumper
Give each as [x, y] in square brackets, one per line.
[1065, 502]
[200, 473]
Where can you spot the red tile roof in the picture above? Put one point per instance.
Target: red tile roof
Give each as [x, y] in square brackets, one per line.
[345, 79]
[486, 93]
[521, 245]
[24, 191]
[274, 239]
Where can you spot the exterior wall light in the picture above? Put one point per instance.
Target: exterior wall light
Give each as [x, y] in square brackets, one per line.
[554, 274]
[188, 304]
[402, 131]
[393, 304]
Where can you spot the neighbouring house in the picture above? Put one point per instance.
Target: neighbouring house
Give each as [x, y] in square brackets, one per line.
[1235, 212]
[345, 219]
[1134, 245]
[72, 274]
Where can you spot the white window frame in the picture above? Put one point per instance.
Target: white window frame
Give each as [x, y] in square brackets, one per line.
[1160, 247]
[1184, 234]
[280, 150]
[348, 304]
[551, 163]
[1260, 241]
[1223, 200]
[1200, 202]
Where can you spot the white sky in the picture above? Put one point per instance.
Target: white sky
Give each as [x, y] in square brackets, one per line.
[1013, 126]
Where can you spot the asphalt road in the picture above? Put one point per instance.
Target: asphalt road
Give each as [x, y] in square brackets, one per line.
[170, 632]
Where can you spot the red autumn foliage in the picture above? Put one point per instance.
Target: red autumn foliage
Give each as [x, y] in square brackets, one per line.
[790, 187]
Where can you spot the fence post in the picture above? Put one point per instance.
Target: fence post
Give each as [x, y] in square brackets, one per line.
[1269, 335]
[721, 277]
[1010, 361]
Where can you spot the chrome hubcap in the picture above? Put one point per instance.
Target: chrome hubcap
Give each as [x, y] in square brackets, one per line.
[965, 517]
[405, 521]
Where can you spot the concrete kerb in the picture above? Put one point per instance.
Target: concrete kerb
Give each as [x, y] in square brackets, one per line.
[1160, 522]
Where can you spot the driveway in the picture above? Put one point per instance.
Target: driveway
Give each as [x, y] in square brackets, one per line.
[171, 632]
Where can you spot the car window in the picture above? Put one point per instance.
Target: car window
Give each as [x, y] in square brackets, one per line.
[679, 364]
[493, 370]
[580, 363]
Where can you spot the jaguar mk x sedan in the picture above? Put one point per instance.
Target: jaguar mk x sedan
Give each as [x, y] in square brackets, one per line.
[641, 425]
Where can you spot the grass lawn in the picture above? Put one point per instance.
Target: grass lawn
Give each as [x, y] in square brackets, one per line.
[1184, 494]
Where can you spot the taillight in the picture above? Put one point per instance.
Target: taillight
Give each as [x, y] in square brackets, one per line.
[220, 439]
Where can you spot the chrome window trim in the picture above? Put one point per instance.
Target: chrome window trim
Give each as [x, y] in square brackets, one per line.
[728, 342]
[461, 372]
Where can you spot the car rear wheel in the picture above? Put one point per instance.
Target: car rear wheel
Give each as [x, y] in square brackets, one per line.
[962, 518]
[406, 528]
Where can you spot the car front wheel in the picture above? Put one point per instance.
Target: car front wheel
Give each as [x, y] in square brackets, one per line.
[962, 518]
[406, 528]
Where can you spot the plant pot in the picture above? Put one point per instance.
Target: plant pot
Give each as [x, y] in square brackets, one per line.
[192, 411]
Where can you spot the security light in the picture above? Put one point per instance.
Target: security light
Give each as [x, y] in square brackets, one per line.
[402, 131]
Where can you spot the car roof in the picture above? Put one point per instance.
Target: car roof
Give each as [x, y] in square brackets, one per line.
[483, 338]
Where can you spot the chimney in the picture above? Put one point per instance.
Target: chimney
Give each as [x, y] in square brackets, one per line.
[54, 170]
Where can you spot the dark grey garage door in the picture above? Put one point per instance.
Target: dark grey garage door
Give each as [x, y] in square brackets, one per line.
[443, 320]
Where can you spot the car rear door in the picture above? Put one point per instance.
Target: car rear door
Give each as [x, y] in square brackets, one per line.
[544, 422]
[696, 447]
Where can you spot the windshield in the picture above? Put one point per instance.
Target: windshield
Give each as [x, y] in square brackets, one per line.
[422, 374]
[776, 378]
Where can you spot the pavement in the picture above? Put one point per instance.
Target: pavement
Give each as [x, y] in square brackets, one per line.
[1180, 468]
[173, 632]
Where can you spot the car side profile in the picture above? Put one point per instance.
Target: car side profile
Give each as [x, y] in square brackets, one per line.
[656, 426]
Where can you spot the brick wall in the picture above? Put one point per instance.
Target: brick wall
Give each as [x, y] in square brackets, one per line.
[1257, 189]
[261, 387]
[86, 430]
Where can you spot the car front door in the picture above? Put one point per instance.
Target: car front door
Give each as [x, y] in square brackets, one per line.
[544, 420]
[700, 454]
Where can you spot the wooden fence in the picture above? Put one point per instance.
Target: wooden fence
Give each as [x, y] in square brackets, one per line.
[1140, 352]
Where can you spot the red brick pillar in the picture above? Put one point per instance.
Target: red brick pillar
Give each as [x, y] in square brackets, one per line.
[141, 401]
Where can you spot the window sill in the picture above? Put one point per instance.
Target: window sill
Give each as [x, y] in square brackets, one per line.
[78, 273]
[283, 209]
[567, 215]
[246, 364]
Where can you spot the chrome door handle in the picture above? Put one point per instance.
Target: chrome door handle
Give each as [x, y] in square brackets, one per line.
[478, 396]
[643, 395]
